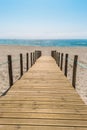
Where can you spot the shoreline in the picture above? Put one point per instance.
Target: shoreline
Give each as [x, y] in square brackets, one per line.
[15, 50]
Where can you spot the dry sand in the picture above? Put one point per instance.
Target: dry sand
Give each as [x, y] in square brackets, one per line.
[81, 84]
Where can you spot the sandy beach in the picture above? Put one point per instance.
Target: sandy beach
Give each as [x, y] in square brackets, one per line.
[81, 84]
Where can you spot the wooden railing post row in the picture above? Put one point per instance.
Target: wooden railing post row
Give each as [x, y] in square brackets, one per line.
[21, 65]
[27, 61]
[74, 71]
[66, 64]
[10, 72]
[61, 65]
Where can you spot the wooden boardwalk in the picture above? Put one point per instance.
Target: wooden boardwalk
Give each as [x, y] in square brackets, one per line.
[43, 99]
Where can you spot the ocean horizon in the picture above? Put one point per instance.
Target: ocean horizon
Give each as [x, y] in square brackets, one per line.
[45, 42]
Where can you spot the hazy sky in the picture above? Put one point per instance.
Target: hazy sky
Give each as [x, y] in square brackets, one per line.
[39, 19]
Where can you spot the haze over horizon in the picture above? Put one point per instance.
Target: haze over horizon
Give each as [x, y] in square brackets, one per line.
[43, 19]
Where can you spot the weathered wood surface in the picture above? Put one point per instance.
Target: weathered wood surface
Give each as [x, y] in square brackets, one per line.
[43, 99]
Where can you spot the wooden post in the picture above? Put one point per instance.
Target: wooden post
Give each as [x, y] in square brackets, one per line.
[21, 65]
[61, 67]
[53, 54]
[10, 70]
[74, 71]
[35, 56]
[31, 58]
[59, 59]
[66, 64]
[56, 57]
[27, 61]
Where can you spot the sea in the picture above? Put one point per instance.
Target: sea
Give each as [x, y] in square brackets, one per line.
[47, 43]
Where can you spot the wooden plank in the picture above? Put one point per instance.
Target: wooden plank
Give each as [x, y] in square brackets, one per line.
[43, 116]
[42, 97]
[44, 104]
[23, 127]
[44, 122]
[36, 109]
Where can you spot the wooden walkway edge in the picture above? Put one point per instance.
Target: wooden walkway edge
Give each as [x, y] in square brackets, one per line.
[43, 99]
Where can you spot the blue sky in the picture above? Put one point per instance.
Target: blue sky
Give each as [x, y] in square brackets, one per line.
[43, 19]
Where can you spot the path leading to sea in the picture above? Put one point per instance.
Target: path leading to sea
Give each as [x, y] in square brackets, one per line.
[43, 99]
